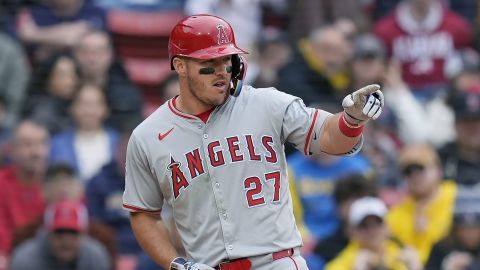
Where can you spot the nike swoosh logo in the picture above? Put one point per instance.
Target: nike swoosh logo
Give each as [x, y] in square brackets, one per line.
[162, 136]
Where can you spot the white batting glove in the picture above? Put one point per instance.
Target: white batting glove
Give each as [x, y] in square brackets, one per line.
[363, 104]
[182, 264]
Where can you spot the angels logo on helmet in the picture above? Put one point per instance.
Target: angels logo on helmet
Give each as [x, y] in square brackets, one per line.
[222, 35]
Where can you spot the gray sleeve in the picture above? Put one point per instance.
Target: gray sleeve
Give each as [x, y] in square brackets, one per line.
[142, 189]
[302, 124]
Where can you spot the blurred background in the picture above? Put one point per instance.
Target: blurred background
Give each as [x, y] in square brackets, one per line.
[76, 76]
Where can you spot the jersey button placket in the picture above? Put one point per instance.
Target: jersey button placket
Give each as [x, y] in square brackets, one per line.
[218, 195]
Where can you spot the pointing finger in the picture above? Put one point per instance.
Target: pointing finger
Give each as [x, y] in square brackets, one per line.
[348, 101]
[368, 90]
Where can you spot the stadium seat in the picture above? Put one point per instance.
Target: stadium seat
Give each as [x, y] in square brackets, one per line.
[142, 34]
[143, 24]
[141, 42]
[147, 72]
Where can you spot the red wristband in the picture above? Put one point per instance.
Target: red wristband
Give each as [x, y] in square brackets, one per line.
[348, 129]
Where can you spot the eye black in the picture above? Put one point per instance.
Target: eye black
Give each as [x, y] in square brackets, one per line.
[207, 70]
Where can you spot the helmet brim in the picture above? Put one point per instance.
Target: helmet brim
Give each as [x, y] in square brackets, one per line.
[212, 52]
[217, 51]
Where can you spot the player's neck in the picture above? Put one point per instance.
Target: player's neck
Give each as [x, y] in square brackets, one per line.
[191, 106]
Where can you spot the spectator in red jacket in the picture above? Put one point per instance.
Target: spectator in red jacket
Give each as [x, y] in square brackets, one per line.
[421, 35]
[21, 200]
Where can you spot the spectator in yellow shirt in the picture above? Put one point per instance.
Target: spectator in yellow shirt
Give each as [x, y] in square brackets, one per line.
[370, 247]
[424, 217]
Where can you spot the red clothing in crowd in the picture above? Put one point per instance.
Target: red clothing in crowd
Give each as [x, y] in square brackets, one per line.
[20, 204]
[423, 48]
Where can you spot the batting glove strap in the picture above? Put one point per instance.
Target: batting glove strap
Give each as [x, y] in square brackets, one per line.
[352, 120]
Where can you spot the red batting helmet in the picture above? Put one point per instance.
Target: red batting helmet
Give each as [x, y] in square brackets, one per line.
[202, 37]
[205, 37]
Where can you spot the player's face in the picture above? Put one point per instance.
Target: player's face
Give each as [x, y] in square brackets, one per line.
[209, 89]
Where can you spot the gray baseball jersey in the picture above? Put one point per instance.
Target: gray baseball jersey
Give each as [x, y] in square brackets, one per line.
[225, 179]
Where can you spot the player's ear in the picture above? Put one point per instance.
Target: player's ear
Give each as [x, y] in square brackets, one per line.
[180, 66]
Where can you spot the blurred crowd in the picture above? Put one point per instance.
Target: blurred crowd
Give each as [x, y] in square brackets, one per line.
[78, 75]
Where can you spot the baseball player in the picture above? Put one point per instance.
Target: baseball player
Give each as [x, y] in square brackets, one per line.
[215, 153]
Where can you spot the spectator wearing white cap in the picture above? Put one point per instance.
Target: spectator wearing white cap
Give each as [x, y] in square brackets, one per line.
[370, 246]
[345, 191]
[63, 245]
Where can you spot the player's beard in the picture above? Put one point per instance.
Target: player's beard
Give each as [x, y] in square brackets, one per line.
[200, 91]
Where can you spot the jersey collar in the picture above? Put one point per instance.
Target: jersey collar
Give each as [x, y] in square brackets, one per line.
[172, 108]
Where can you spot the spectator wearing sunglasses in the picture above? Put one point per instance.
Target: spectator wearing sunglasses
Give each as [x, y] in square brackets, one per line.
[425, 215]
[371, 247]
[63, 245]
